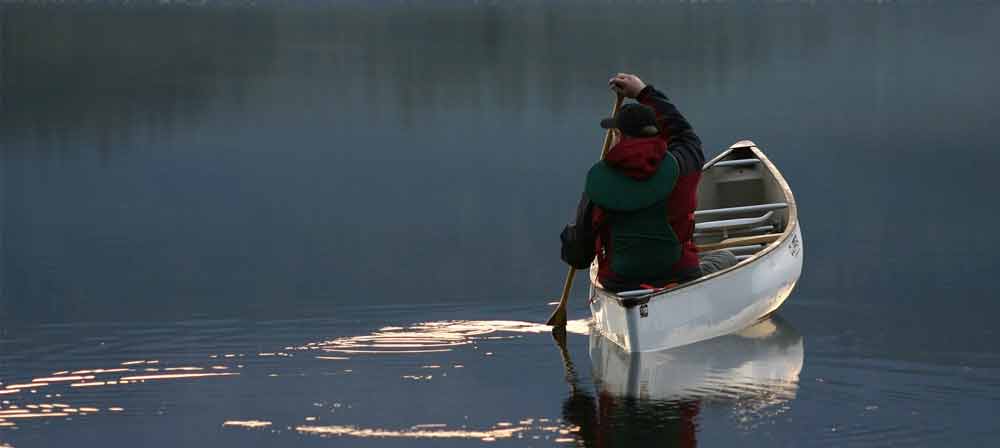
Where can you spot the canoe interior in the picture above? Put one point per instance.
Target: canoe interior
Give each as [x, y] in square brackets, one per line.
[736, 184]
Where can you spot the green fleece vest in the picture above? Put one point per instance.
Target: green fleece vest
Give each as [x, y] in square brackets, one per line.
[643, 245]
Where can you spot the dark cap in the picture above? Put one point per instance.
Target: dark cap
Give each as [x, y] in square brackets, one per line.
[634, 120]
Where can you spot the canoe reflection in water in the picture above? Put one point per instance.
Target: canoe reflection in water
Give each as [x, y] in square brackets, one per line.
[654, 398]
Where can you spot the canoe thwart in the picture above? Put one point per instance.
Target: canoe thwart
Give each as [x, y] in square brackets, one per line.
[733, 223]
[737, 162]
[742, 209]
[739, 232]
[740, 241]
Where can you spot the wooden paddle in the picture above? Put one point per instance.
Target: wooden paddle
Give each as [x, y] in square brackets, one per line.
[558, 317]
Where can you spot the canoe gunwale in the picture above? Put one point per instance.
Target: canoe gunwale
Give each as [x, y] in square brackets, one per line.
[793, 222]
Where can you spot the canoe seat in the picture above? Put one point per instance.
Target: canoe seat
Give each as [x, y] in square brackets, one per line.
[751, 225]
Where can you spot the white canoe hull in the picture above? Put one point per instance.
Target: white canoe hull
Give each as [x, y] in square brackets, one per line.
[729, 303]
[719, 304]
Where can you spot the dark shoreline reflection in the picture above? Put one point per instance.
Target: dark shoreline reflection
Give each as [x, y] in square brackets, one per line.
[116, 76]
[656, 398]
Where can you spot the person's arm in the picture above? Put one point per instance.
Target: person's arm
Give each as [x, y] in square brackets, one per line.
[682, 142]
[578, 238]
[681, 139]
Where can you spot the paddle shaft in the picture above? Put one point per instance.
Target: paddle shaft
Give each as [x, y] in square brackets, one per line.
[558, 317]
[564, 298]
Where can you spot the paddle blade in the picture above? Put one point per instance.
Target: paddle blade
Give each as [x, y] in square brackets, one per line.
[558, 317]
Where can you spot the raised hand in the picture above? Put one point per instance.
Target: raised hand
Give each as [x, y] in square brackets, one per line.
[626, 84]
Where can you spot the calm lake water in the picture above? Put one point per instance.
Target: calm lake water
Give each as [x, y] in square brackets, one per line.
[335, 223]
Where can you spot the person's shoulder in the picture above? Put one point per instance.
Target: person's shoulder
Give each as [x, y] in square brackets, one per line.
[688, 156]
[614, 190]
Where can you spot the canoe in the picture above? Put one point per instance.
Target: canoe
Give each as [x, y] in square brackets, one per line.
[761, 364]
[745, 206]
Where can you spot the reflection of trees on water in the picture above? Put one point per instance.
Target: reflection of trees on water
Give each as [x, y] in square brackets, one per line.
[102, 71]
[108, 69]
[3, 58]
[461, 55]
[3, 165]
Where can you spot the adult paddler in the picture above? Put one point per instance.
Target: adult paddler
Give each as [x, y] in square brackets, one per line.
[637, 210]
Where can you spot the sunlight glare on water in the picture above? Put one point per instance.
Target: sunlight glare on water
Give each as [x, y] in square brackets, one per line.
[433, 337]
[21, 400]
